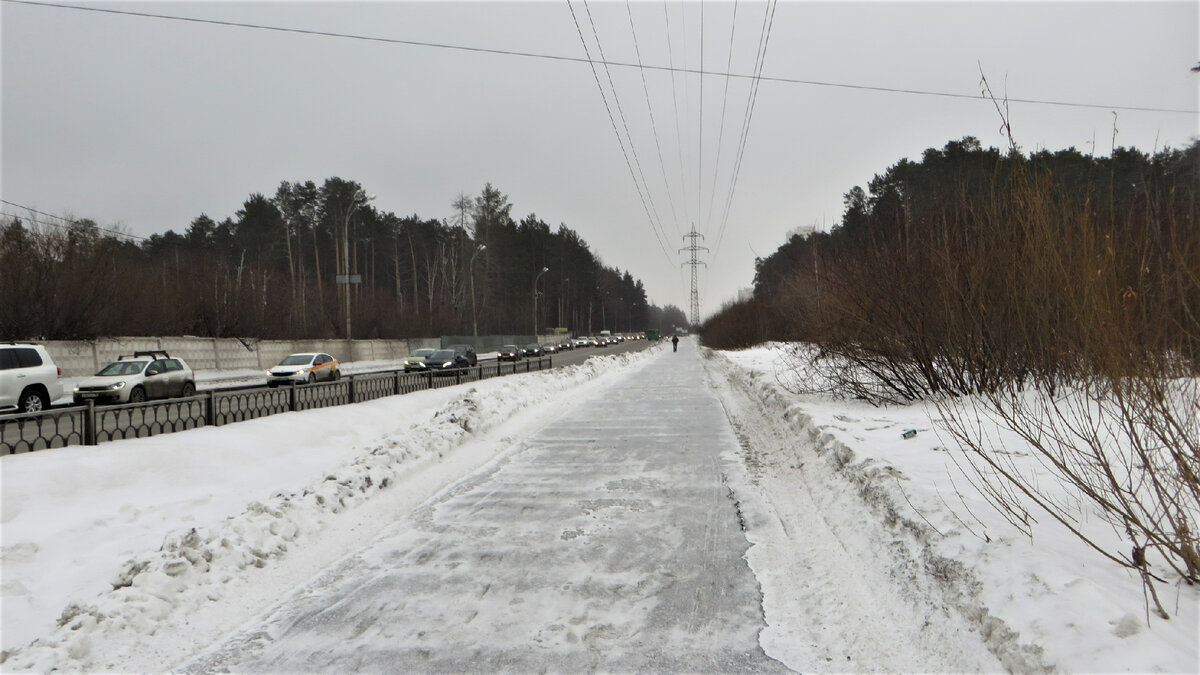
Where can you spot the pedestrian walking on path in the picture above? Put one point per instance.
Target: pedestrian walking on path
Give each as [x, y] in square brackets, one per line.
[674, 343]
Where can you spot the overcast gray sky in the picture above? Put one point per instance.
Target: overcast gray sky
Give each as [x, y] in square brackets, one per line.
[145, 123]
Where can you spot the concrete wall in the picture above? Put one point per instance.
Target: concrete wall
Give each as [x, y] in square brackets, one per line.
[81, 358]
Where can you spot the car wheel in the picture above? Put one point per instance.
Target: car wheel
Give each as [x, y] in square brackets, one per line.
[189, 389]
[337, 375]
[138, 395]
[33, 401]
[312, 378]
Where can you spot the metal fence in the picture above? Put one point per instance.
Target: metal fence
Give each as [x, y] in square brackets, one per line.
[92, 424]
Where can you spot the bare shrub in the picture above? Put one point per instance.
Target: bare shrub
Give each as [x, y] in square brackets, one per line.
[1112, 412]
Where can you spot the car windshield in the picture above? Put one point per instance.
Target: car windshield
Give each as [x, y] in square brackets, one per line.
[297, 360]
[509, 348]
[123, 368]
[424, 353]
[443, 355]
[533, 347]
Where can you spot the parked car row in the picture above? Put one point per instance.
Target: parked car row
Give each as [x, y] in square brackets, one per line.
[30, 380]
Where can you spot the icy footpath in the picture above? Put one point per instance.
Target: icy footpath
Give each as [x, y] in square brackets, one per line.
[196, 572]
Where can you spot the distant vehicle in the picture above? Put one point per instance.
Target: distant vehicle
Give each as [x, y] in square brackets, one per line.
[549, 348]
[601, 341]
[138, 378]
[509, 353]
[467, 351]
[652, 334]
[446, 362]
[28, 378]
[416, 360]
[566, 343]
[533, 349]
[583, 342]
[304, 368]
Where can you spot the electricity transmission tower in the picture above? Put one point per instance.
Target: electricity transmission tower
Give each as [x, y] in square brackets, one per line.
[693, 249]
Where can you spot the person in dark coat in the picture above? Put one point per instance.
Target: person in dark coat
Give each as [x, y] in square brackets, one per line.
[674, 343]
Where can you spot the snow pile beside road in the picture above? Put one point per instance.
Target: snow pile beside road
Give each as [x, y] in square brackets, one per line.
[131, 555]
[1048, 602]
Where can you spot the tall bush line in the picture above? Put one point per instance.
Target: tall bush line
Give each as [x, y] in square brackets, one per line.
[1054, 292]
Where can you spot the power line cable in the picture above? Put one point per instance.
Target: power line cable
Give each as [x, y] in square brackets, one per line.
[618, 64]
[625, 124]
[621, 143]
[79, 223]
[746, 114]
[762, 57]
[724, 100]
[653, 124]
[675, 103]
[700, 130]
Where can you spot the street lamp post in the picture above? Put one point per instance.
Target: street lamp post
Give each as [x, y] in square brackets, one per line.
[471, 268]
[565, 281]
[535, 294]
[358, 199]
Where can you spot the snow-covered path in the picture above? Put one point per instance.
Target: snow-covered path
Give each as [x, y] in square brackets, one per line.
[606, 541]
[650, 511]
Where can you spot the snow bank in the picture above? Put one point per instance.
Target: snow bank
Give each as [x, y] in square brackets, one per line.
[1047, 602]
[131, 555]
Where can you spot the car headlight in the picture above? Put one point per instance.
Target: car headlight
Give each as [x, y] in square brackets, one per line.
[115, 386]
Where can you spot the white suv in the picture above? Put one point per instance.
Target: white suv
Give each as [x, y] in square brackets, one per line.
[28, 378]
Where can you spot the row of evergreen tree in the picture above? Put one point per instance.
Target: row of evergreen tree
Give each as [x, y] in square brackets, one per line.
[271, 271]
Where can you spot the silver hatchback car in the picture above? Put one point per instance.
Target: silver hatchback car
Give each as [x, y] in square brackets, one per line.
[138, 378]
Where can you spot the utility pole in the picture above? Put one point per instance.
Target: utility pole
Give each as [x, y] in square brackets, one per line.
[693, 249]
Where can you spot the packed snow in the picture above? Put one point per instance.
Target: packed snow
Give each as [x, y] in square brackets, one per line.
[136, 555]
[1052, 600]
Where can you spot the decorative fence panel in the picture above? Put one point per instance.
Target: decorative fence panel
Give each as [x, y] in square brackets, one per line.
[91, 424]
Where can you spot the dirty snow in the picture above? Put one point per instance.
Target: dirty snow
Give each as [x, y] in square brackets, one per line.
[135, 555]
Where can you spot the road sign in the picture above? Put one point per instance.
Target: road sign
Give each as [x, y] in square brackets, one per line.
[348, 278]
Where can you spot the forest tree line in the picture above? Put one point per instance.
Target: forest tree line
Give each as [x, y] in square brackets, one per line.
[270, 272]
[975, 268]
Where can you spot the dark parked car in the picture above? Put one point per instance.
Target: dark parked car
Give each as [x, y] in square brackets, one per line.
[446, 362]
[467, 352]
[533, 349]
[509, 353]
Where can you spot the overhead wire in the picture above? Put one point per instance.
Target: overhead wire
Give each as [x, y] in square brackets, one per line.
[618, 64]
[678, 121]
[724, 100]
[700, 130]
[764, 40]
[620, 142]
[79, 223]
[653, 124]
[656, 220]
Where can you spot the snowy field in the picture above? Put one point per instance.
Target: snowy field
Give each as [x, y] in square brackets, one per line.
[137, 554]
[1070, 609]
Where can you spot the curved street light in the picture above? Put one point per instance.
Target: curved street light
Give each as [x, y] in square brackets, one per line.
[535, 294]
